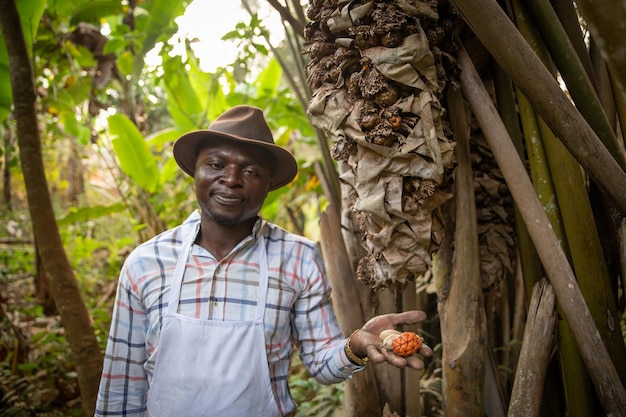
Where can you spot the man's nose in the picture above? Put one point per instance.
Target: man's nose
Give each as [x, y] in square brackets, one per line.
[231, 176]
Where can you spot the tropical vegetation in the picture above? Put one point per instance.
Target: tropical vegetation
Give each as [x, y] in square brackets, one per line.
[461, 157]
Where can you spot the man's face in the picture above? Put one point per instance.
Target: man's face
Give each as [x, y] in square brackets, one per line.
[232, 181]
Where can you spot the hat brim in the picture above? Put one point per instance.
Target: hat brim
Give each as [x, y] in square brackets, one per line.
[185, 152]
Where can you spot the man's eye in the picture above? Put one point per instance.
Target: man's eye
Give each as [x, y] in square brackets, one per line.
[250, 172]
[215, 165]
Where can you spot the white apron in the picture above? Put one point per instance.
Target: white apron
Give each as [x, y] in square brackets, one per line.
[207, 368]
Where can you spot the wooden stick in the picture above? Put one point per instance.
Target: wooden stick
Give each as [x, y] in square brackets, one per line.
[537, 348]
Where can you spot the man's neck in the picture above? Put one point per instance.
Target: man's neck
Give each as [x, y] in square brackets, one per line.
[220, 240]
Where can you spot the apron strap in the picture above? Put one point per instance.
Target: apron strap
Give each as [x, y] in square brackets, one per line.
[179, 272]
[263, 279]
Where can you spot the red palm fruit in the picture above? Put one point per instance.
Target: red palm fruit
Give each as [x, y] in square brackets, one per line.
[406, 344]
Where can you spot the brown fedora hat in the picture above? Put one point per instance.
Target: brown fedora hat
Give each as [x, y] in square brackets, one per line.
[240, 124]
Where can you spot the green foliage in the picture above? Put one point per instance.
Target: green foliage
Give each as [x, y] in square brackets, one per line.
[30, 13]
[156, 24]
[189, 91]
[121, 134]
[249, 41]
[16, 261]
[85, 214]
[72, 126]
[92, 11]
[133, 152]
[269, 80]
[313, 398]
[33, 387]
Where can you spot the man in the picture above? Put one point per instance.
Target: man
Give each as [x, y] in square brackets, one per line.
[207, 314]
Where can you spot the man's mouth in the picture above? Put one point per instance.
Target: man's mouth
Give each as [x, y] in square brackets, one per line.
[227, 199]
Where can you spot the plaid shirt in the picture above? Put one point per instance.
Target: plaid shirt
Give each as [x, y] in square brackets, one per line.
[297, 312]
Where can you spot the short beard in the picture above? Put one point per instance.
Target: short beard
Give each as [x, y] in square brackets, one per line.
[222, 220]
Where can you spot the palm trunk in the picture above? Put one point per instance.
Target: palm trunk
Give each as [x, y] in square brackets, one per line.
[461, 306]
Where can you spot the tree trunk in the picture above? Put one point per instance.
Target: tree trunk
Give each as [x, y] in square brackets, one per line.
[42, 287]
[64, 287]
[461, 305]
[362, 399]
[6, 172]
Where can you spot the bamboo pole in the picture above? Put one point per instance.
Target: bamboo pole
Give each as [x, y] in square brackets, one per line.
[556, 265]
[574, 377]
[498, 34]
[619, 94]
[571, 69]
[604, 88]
[580, 234]
[537, 348]
[605, 20]
[566, 12]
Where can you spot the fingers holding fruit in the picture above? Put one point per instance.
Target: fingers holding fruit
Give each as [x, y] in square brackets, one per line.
[370, 340]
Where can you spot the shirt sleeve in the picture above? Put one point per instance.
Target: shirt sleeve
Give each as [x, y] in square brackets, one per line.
[123, 385]
[320, 340]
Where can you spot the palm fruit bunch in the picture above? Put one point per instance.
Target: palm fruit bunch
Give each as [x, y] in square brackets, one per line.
[377, 72]
[401, 343]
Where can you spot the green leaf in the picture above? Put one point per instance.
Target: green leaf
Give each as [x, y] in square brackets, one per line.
[261, 48]
[133, 152]
[93, 11]
[233, 34]
[268, 81]
[81, 55]
[169, 170]
[158, 24]
[6, 97]
[184, 102]
[114, 45]
[72, 126]
[75, 215]
[163, 137]
[125, 63]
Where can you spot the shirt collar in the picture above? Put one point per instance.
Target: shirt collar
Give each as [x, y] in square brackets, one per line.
[191, 225]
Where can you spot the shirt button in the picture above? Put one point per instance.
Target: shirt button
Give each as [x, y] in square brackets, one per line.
[217, 269]
[215, 303]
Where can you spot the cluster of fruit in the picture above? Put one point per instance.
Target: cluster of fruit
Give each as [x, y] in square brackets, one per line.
[402, 343]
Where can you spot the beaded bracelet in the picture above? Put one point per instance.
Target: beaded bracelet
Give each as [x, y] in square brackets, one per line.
[352, 357]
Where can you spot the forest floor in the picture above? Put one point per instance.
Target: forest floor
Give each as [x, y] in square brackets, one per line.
[36, 376]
